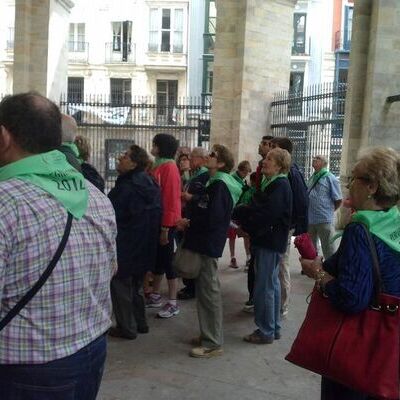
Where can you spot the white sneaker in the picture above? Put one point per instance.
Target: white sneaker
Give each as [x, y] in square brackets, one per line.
[168, 311]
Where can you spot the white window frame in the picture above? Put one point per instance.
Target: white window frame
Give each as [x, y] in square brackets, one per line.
[172, 30]
[77, 44]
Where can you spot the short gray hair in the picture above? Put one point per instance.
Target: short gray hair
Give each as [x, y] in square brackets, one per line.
[199, 151]
[324, 159]
[68, 128]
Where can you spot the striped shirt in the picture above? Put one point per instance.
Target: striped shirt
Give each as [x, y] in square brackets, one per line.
[73, 307]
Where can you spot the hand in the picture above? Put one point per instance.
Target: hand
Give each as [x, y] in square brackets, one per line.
[311, 267]
[186, 196]
[164, 238]
[182, 224]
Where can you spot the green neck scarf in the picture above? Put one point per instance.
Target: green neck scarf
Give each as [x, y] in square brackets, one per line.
[160, 161]
[73, 147]
[238, 178]
[267, 181]
[235, 189]
[51, 172]
[198, 172]
[316, 176]
[383, 224]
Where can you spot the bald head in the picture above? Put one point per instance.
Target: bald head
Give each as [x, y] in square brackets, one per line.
[69, 128]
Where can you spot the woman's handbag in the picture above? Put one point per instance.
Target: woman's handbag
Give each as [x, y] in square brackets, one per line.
[360, 351]
[186, 263]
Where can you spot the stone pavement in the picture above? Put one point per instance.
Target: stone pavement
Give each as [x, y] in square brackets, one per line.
[157, 366]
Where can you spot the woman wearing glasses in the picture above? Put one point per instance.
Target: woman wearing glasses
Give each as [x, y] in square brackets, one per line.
[205, 238]
[346, 278]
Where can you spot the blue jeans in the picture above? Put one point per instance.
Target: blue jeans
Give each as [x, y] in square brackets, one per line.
[76, 377]
[267, 291]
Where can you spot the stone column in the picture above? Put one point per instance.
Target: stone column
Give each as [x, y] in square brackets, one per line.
[252, 62]
[374, 75]
[40, 49]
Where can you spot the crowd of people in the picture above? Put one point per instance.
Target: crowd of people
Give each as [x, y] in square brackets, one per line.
[109, 253]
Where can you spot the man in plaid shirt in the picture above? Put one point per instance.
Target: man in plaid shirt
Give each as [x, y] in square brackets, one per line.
[55, 347]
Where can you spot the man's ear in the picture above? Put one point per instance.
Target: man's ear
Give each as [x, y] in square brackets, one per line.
[5, 139]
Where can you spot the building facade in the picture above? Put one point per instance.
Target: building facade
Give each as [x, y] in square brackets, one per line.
[125, 48]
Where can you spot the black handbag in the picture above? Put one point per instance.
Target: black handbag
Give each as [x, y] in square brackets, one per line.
[43, 278]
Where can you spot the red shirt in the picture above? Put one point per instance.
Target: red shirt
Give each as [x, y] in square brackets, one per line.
[168, 177]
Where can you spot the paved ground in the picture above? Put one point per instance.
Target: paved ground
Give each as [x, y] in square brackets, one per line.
[157, 366]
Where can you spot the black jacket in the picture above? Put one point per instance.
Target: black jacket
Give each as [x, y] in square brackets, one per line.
[209, 221]
[268, 216]
[300, 201]
[196, 187]
[91, 174]
[137, 203]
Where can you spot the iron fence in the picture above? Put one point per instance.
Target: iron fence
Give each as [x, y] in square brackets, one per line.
[313, 120]
[111, 128]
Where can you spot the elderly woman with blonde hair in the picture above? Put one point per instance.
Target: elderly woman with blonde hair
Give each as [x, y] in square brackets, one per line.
[267, 220]
[346, 277]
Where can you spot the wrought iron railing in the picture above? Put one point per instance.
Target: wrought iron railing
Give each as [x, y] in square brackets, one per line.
[78, 52]
[313, 120]
[120, 52]
[109, 127]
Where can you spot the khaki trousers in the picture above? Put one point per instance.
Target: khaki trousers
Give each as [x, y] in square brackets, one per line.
[209, 302]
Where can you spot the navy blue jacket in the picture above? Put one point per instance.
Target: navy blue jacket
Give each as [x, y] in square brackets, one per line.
[267, 218]
[137, 203]
[196, 187]
[210, 217]
[300, 201]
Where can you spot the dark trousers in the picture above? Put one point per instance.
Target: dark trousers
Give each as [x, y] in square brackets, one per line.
[190, 285]
[76, 377]
[128, 304]
[251, 276]
[331, 390]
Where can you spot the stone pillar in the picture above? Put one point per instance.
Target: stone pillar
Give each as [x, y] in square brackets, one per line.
[252, 62]
[40, 49]
[374, 75]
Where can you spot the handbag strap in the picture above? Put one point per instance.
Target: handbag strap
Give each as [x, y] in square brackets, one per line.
[376, 270]
[43, 278]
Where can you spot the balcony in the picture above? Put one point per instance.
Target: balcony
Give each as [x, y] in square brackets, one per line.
[78, 52]
[343, 41]
[120, 53]
[301, 47]
[209, 43]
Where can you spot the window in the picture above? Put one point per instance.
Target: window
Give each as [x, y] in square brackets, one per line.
[167, 96]
[77, 37]
[75, 90]
[122, 37]
[348, 24]
[296, 93]
[166, 30]
[120, 90]
[299, 34]
[210, 28]
[75, 93]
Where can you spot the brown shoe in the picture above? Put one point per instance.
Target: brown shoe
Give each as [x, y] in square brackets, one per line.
[258, 338]
[206, 352]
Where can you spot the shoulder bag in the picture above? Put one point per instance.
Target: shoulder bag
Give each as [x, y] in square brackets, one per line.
[360, 351]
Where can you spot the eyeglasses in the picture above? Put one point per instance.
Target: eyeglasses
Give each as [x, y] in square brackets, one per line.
[351, 179]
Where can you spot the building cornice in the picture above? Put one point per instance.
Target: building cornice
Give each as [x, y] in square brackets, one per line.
[66, 4]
